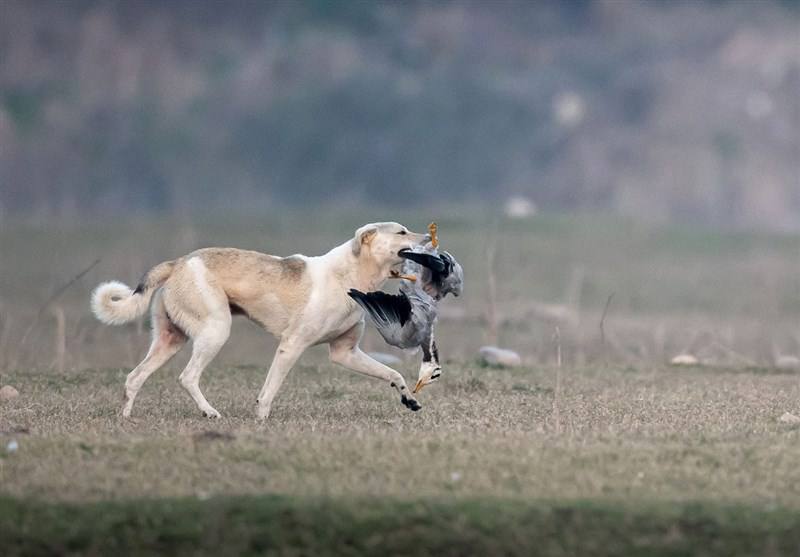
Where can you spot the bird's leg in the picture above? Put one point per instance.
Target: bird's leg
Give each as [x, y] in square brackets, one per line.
[432, 230]
[397, 275]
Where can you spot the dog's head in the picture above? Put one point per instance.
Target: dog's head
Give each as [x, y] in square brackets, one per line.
[383, 240]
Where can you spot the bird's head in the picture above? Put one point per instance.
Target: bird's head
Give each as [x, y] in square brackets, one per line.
[453, 282]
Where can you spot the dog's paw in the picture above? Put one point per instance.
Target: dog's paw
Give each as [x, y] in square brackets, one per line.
[410, 403]
[262, 413]
[211, 413]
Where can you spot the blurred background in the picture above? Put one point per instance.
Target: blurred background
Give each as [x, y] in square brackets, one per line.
[582, 157]
[667, 111]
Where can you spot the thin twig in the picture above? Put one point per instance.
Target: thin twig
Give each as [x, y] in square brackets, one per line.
[572, 294]
[5, 334]
[81, 332]
[63, 289]
[734, 353]
[61, 338]
[557, 339]
[58, 292]
[603, 319]
[557, 394]
[491, 309]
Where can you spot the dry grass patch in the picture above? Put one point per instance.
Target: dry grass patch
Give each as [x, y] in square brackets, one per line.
[652, 434]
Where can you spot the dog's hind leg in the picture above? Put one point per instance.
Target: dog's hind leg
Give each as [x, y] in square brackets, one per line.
[199, 306]
[205, 346]
[167, 341]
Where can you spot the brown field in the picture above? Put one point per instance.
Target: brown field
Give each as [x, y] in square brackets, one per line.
[613, 434]
[614, 425]
[733, 299]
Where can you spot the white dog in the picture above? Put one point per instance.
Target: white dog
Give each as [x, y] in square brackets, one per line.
[301, 300]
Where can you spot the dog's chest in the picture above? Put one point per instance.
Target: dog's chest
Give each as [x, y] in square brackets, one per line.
[329, 323]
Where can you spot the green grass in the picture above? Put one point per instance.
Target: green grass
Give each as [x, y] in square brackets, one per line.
[271, 525]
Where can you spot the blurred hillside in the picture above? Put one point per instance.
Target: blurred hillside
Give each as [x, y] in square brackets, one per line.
[685, 111]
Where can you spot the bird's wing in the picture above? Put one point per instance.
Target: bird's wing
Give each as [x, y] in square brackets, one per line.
[432, 262]
[389, 312]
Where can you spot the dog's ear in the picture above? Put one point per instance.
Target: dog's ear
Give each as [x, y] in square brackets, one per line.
[364, 235]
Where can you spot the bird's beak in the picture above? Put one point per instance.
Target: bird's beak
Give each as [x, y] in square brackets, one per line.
[424, 382]
[428, 373]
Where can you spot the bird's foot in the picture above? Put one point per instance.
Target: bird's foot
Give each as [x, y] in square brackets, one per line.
[432, 230]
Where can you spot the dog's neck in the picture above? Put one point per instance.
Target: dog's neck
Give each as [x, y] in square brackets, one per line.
[361, 272]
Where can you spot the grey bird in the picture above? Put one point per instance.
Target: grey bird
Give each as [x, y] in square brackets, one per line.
[408, 319]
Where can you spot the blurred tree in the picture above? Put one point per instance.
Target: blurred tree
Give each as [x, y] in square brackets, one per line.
[111, 106]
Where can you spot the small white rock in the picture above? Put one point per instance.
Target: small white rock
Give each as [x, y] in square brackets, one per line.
[8, 392]
[495, 356]
[789, 418]
[520, 208]
[791, 363]
[455, 477]
[569, 109]
[386, 359]
[684, 360]
[12, 446]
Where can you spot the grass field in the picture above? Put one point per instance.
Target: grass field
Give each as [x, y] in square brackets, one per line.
[613, 453]
[281, 526]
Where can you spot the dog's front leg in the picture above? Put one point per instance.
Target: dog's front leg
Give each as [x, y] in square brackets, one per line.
[346, 352]
[285, 357]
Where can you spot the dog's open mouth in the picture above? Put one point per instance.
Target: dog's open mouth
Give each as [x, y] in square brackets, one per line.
[402, 251]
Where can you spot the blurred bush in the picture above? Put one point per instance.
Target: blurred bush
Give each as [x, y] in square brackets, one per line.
[664, 110]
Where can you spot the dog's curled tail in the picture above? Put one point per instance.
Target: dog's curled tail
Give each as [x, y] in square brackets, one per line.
[115, 303]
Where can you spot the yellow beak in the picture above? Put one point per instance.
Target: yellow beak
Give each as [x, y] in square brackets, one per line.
[418, 387]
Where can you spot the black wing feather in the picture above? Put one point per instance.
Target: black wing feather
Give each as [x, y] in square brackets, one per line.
[382, 307]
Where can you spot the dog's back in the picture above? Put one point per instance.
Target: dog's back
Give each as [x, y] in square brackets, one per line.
[266, 288]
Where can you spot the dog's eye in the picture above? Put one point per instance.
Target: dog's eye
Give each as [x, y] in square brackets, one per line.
[402, 232]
